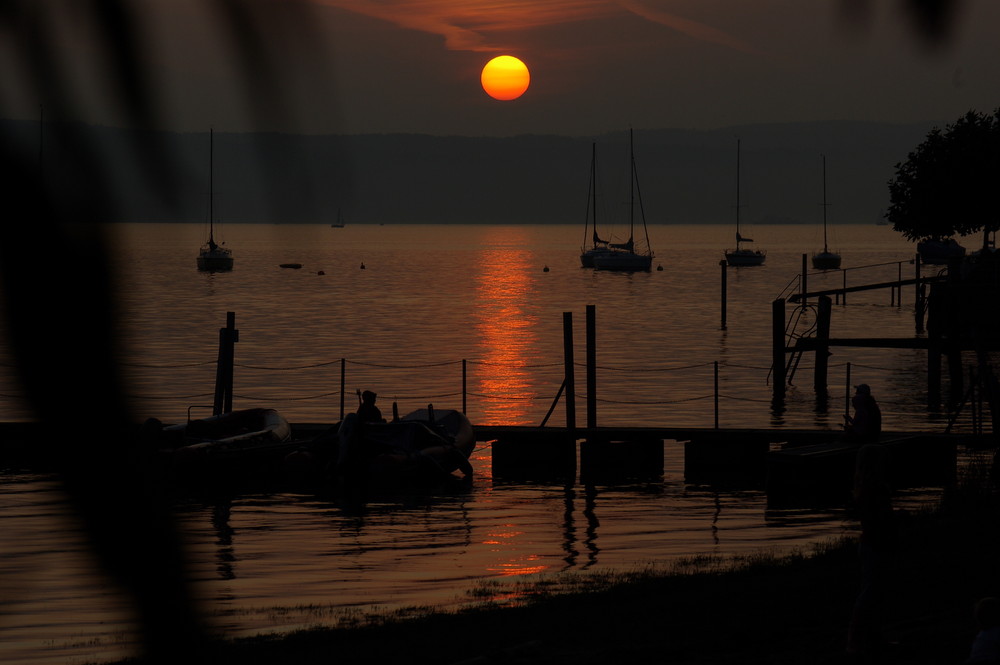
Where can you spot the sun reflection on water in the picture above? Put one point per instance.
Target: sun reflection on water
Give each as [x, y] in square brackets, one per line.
[506, 322]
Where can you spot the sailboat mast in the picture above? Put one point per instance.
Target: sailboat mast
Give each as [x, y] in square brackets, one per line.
[211, 185]
[631, 188]
[824, 203]
[737, 193]
[593, 187]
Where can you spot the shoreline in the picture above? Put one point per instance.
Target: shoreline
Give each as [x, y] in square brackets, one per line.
[758, 609]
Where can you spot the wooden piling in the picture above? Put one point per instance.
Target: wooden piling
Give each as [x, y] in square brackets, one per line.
[228, 337]
[723, 263]
[804, 281]
[822, 349]
[343, 382]
[934, 374]
[715, 375]
[778, 348]
[570, 381]
[918, 296]
[591, 366]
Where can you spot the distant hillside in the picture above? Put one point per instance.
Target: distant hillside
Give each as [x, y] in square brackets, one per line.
[686, 176]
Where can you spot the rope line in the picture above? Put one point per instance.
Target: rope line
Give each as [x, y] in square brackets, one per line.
[668, 401]
[367, 364]
[285, 369]
[155, 397]
[646, 369]
[178, 366]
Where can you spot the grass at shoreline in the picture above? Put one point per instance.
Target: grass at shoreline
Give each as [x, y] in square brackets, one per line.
[756, 609]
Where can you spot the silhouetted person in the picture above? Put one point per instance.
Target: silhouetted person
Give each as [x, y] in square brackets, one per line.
[866, 423]
[986, 645]
[367, 411]
[877, 548]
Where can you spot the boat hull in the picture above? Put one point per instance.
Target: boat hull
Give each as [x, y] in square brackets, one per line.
[423, 448]
[227, 447]
[623, 261]
[215, 261]
[826, 261]
[745, 257]
[938, 252]
[587, 257]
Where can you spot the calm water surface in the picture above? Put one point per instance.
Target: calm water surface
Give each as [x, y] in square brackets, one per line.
[428, 298]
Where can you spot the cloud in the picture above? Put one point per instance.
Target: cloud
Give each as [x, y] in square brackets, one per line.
[692, 29]
[477, 25]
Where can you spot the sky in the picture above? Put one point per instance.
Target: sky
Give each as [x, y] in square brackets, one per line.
[413, 66]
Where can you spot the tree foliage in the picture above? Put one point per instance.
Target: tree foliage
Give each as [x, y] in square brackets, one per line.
[947, 186]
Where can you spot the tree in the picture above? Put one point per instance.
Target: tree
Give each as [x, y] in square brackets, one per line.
[947, 185]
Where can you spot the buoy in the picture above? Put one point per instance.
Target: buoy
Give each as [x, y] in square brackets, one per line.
[659, 267]
[362, 265]
[545, 269]
[321, 273]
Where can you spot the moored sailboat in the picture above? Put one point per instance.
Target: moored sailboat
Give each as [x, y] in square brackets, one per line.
[624, 256]
[742, 256]
[825, 260]
[212, 256]
[598, 245]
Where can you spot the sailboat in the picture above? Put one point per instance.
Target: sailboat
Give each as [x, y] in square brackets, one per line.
[339, 224]
[742, 256]
[825, 260]
[623, 256]
[598, 246]
[213, 257]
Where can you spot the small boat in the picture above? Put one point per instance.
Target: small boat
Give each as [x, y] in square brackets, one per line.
[825, 260]
[938, 251]
[213, 257]
[624, 257]
[742, 256]
[422, 448]
[598, 245]
[293, 266]
[227, 446]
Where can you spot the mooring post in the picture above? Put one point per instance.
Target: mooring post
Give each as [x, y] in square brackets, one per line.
[934, 373]
[591, 366]
[899, 284]
[228, 337]
[716, 374]
[465, 377]
[822, 361]
[933, 303]
[723, 264]
[804, 282]
[568, 372]
[918, 295]
[343, 384]
[778, 347]
[847, 393]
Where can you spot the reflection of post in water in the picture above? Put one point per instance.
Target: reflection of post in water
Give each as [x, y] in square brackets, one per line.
[715, 519]
[221, 513]
[590, 494]
[778, 409]
[569, 528]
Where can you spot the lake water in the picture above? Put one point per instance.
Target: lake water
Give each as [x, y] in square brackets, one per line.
[429, 298]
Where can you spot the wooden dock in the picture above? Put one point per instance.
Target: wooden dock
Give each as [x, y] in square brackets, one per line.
[798, 466]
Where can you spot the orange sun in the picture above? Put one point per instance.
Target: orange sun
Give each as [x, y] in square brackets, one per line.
[505, 77]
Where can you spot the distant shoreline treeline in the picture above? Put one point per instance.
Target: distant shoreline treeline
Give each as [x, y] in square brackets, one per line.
[685, 176]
